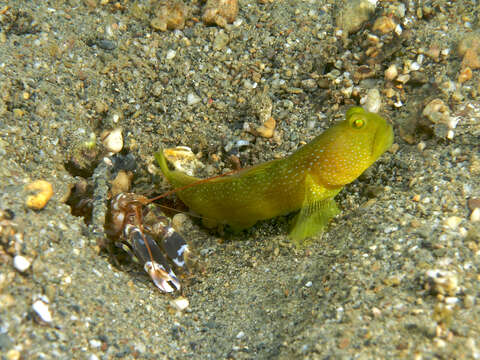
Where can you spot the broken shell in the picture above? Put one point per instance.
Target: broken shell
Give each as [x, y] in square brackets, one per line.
[42, 312]
[113, 140]
[183, 159]
[44, 192]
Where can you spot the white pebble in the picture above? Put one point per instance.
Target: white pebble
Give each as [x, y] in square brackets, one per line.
[475, 216]
[94, 343]
[309, 284]
[170, 54]
[414, 66]
[240, 335]
[193, 99]
[452, 222]
[21, 263]
[180, 303]
[113, 141]
[398, 30]
[43, 312]
[373, 102]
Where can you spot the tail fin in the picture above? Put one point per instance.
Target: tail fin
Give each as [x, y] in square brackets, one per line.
[174, 177]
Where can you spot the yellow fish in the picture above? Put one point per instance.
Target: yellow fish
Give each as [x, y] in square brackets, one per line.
[307, 180]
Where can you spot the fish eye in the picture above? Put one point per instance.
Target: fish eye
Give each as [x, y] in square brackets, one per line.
[358, 122]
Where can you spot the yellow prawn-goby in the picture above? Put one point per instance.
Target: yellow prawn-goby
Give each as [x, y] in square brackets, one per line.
[307, 180]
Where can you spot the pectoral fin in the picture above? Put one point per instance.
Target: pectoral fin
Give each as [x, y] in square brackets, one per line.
[317, 210]
[312, 219]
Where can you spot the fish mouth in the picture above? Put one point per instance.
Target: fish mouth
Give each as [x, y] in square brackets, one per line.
[382, 143]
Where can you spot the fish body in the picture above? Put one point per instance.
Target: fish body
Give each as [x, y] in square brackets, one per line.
[307, 180]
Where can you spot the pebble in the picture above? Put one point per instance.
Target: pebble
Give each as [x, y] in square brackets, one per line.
[267, 129]
[170, 54]
[13, 354]
[475, 215]
[122, 182]
[221, 41]
[113, 140]
[193, 99]
[391, 73]
[403, 78]
[178, 221]
[106, 44]
[452, 222]
[353, 14]
[220, 12]
[21, 263]
[473, 203]
[170, 15]
[438, 113]
[180, 303]
[384, 25]
[469, 48]
[444, 282]
[44, 191]
[95, 344]
[373, 101]
[240, 335]
[42, 311]
[465, 75]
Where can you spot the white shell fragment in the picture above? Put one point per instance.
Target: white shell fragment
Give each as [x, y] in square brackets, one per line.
[21, 263]
[113, 140]
[42, 311]
[180, 303]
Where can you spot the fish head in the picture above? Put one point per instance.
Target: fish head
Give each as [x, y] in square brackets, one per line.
[350, 147]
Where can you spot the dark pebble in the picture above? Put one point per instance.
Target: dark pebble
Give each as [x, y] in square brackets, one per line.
[106, 44]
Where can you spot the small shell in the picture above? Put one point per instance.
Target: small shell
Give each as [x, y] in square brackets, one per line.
[44, 191]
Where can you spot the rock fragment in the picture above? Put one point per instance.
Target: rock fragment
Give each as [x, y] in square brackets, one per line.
[220, 12]
[43, 192]
[170, 15]
[353, 14]
[42, 312]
